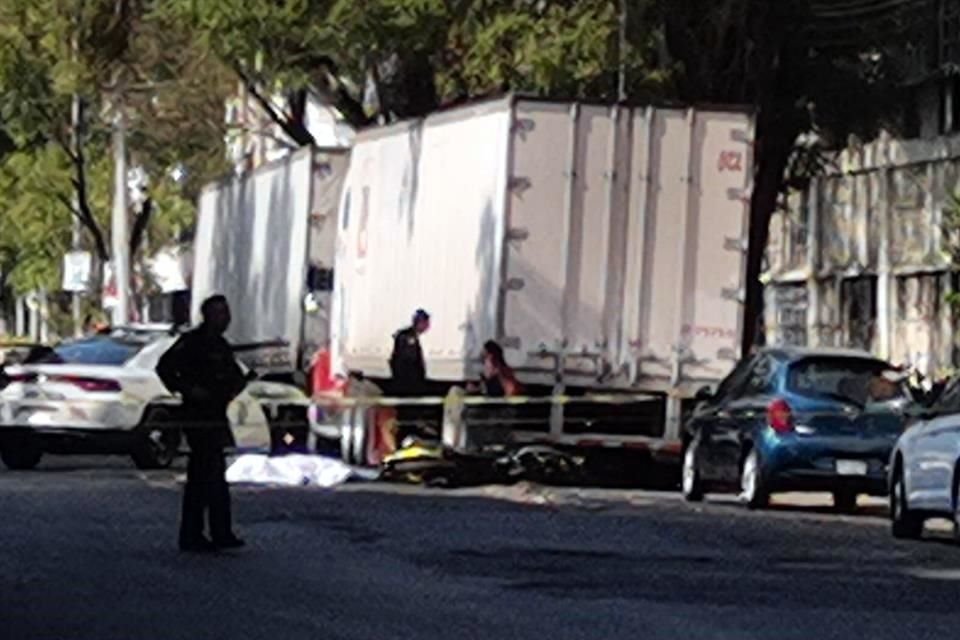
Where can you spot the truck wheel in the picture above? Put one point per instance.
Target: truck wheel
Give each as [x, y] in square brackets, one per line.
[362, 424]
[346, 436]
[20, 453]
[690, 481]
[845, 501]
[157, 440]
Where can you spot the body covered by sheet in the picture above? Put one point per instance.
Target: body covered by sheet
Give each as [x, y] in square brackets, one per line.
[289, 470]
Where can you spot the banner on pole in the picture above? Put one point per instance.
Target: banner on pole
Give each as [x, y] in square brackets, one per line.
[77, 266]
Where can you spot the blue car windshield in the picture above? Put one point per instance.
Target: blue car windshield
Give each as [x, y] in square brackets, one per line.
[846, 379]
[97, 351]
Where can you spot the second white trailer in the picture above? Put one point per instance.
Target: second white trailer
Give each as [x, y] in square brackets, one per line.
[266, 241]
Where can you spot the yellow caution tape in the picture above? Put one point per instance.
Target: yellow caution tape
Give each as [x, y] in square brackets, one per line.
[380, 401]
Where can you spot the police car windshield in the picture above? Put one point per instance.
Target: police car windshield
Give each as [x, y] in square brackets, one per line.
[97, 351]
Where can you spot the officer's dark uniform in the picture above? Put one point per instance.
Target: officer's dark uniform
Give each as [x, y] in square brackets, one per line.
[203, 360]
[406, 363]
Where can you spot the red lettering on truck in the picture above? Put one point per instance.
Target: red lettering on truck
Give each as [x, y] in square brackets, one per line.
[730, 161]
[701, 331]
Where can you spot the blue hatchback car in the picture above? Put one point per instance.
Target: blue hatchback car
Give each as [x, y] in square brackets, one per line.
[790, 419]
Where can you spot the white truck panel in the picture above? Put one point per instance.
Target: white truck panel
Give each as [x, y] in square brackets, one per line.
[718, 223]
[375, 240]
[538, 261]
[252, 243]
[587, 291]
[425, 225]
[662, 285]
[459, 234]
[329, 171]
[617, 313]
[607, 241]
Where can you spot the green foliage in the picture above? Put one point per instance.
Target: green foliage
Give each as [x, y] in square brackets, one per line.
[175, 61]
[424, 53]
[35, 222]
[950, 237]
[34, 225]
[98, 50]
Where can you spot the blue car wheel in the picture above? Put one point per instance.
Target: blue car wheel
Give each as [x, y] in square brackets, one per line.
[753, 484]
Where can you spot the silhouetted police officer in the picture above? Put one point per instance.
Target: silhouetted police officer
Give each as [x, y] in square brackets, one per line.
[201, 367]
[407, 367]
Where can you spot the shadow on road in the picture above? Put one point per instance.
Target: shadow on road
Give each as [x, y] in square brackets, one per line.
[785, 505]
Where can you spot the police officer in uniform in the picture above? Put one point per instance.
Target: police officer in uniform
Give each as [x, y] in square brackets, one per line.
[201, 367]
[407, 368]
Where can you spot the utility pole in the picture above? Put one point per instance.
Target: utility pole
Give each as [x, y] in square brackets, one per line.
[75, 120]
[120, 227]
[75, 241]
[21, 321]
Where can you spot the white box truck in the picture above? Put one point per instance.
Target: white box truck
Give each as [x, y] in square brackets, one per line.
[265, 240]
[602, 246]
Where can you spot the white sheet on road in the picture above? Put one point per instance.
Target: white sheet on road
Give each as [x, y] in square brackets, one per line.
[291, 470]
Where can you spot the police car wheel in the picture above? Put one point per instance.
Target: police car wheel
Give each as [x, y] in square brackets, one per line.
[20, 454]
[157, 441]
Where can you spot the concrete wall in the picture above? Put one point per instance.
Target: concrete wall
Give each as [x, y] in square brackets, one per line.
[857, 259]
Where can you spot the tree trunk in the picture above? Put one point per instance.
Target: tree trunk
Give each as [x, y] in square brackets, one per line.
[140, 224]
[777, 139]
[295, 129]
[81, 185]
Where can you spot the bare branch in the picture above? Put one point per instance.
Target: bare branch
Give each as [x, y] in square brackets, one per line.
[296, 130]
[69, 205]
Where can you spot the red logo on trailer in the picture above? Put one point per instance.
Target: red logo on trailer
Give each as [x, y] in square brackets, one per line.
[730, 161]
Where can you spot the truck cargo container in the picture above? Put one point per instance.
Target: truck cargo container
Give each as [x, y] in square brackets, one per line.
[265, 240]
[603, 246]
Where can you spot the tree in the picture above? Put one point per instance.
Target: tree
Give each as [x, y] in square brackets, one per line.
[804, 67]
[417, 54]
[52, 171]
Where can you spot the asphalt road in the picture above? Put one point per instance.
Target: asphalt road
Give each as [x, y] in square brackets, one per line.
[88, 551]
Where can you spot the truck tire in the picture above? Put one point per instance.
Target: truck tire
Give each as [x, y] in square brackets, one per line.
[157, 440]
[845, 501]
[362, 425]
[346, 436]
